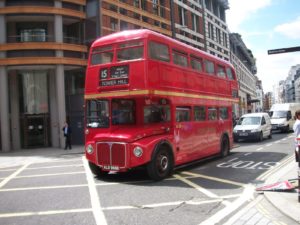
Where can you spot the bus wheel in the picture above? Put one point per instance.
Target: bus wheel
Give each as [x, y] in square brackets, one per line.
[224, 147]
[161, 164]
[96, 170]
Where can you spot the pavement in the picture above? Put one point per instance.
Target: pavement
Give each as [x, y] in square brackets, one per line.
[257, 212]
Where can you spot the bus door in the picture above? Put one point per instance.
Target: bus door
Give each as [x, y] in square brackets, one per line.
[183, 133]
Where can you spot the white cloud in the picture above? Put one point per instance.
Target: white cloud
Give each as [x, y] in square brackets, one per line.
[273, 68]
[241, 10]
[291, 30]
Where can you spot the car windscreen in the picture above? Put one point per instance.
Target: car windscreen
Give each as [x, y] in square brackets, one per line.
[249, 121]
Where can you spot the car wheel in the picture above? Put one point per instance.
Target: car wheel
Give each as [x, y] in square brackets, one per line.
[270, 135]
[261, 137]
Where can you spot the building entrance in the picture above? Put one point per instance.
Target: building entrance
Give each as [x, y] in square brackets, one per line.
[34, 109]
[35, 130]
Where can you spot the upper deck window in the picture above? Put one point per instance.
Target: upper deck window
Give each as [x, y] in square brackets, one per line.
[196, 63]
[180, 58]
[159, 51]
[209, 67]
[130, 51]
[102, 55]
[229, 74]
[221, 71]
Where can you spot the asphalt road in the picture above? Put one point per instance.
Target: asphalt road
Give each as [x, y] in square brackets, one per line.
[63, 191]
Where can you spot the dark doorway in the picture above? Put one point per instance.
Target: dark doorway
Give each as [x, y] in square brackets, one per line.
[35, 130]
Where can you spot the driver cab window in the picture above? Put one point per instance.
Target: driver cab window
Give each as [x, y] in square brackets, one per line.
[97, 114]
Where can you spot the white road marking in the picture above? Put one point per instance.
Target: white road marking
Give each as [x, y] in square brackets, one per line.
[43, 187]
[216, 218]
[163, 204]
[42, 213]
[199, 188]
[268, 145]
[7, 179]
[259, 149]
[49, 174]
[95, 200]
[249, 153]
[51, 167]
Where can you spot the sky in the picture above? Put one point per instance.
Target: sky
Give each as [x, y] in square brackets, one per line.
[266, 25]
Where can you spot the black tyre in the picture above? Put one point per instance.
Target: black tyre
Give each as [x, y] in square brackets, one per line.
[161, 164]
[96, 170]
[225, 148]
[261, 137]
[270, 136]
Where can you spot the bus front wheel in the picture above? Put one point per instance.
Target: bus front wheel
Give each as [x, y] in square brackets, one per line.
[161, 164]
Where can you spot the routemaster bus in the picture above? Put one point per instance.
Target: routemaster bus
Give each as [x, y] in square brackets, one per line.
[154, 102]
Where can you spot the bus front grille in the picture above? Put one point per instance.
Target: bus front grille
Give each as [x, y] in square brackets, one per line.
[111, 155]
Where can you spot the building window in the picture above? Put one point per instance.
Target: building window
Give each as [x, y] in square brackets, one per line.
[218, 35]
[225, 40]
[182, 12]
[195, 23]
[114, 24]
[210, 30]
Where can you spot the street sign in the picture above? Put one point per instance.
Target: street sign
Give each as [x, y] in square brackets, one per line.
[283, 50]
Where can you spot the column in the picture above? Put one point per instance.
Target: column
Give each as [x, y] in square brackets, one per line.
[15, 111]
[60, 76]
[61, 102]
[55, 128]
[4, 110]
[4, 101]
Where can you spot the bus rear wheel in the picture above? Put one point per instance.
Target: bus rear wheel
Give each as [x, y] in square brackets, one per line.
[161, 164]
[96, 170]
[224, 147]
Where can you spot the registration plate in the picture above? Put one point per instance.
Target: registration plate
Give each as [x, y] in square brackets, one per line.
[115, 168]
[243, 134]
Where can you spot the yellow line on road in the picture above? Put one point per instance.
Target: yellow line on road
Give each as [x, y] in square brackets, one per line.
[215, 179]
[199, 188]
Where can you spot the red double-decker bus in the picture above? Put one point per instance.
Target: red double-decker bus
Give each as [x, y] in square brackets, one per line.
[155, 102]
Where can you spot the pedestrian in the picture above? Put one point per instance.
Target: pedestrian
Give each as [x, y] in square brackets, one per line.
[296, 129]
[67, 134]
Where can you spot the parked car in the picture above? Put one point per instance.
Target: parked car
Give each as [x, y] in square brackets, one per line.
[254, 126]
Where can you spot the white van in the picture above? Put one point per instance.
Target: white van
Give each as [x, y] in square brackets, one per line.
[255, 126]
[282, 116]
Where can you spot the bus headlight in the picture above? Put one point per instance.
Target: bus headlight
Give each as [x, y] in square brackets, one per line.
[138, 151]
[89, 149]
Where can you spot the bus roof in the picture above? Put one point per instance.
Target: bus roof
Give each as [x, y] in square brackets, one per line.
[145, 33]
